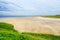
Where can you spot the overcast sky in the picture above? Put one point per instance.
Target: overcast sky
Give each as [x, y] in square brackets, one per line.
[32, 7]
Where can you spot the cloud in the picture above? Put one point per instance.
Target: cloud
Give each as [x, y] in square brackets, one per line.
[33, 7]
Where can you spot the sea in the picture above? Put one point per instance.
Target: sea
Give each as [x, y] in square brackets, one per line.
[16, 17]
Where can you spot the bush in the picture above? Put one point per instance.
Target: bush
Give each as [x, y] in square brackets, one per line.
[6, 25]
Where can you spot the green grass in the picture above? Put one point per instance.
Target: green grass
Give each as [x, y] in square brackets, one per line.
[8, 35]
[44, 36]
[52, 16]
[7, 32]
[6, 26]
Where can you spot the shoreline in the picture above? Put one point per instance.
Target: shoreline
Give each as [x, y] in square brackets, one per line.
[35, 24]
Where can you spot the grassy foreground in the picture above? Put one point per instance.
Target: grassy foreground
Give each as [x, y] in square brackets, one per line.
[7, 32]
[52, 16]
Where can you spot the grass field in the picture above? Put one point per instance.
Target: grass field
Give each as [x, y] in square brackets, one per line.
[52, 16]
[7, 32]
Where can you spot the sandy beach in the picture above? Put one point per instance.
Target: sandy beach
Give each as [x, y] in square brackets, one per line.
[35, 24]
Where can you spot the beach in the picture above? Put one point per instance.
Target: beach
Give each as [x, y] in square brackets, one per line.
[35, 24]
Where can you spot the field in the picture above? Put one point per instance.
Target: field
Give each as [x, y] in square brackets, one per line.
[7, 32]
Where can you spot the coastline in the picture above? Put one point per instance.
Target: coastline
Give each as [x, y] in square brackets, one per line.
[35, 24]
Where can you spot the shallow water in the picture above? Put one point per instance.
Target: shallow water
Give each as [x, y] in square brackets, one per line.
[12, 17]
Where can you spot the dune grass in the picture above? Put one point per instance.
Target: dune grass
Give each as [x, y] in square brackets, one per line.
[44, 36]
[7, 32]
[52, 16]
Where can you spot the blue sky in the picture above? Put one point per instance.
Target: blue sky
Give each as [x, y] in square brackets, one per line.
[32, 7]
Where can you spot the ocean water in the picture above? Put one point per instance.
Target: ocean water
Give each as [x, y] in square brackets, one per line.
[13, 17]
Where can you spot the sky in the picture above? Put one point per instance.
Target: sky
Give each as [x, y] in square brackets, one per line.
[29, 7]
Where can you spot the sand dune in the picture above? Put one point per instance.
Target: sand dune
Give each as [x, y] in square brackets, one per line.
[35, 24]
